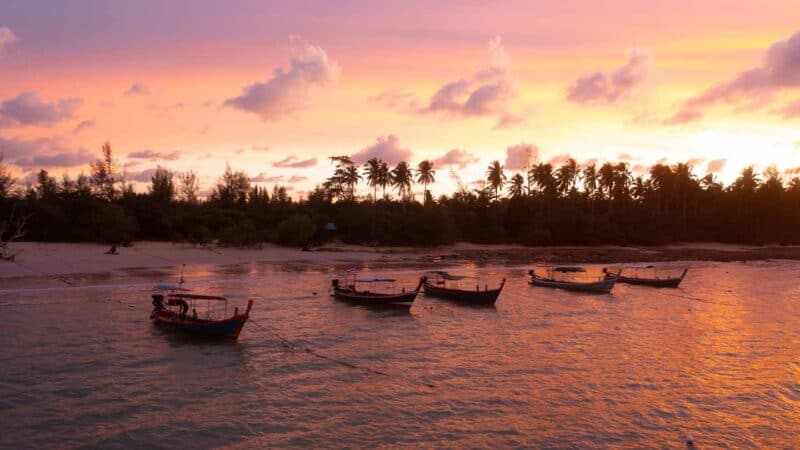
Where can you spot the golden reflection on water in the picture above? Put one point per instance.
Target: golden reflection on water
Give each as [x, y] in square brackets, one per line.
[716, 359]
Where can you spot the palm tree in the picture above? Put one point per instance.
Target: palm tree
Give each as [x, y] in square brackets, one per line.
[589, 175]
[351, 178]
[567, 176]
[605, 178]
[516, 188]
[401, 179]
[496, 177]
[425, 175]
[373, 170]
[384, 177]
[544, 179]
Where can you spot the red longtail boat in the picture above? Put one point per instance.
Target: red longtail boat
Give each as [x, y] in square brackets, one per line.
[177, 311]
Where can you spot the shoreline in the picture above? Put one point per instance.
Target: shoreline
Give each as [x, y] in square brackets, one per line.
[62, 260]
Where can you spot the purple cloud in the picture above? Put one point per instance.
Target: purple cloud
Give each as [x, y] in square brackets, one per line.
[520, 156]
[455, 157]
[488, 92]
[83, 125]
[263, 178]
[7, 37]
[143, 176]
[287, 91]
[609, 87]
[154, 155]
[43, 152]
[292, 162]
[386, 148]
[297, 179]
[29, 109]
[137, 89]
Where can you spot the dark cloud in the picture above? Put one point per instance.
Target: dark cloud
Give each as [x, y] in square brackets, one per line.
[28, 109]
[292, 162]
[138, 89]
[7, 37]
[455, 157]
[83, 125]
[609, 87]
[716, 165]
[386, 148]
[287, 90]
[520, 156]
[43, 152]
[154, 155]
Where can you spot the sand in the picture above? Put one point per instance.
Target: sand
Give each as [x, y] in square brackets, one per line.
[61, 259]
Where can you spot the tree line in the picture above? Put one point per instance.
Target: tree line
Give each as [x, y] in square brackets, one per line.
[540, 205]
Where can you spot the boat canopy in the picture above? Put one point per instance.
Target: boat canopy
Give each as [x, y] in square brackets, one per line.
[567, 269]
[197, 297]
[447, 276]
[374, 280]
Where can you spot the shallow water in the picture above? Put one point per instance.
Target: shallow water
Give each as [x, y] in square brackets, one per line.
[717, 360]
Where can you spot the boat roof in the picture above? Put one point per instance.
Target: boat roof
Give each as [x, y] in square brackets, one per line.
[373, 280]
[567, 269]
[640, 266]
[446, 275]
[169, 287]
[197, 297]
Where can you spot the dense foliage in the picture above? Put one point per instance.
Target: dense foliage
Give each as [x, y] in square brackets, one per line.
[543, 205]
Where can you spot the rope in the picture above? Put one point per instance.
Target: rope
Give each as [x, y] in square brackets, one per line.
[308, 350]
[49, 275]
[688, 297]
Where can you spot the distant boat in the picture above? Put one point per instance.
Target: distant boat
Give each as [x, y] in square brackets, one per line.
[561, 277]
[172, 311]
[436, 285]
[371, 297]
[654, 280]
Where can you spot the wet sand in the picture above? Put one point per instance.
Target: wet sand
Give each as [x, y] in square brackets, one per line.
[64, 259]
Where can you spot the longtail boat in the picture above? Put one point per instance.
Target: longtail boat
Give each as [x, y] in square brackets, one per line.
[654, 280]
[351, 293]
[443, 285]
[561, 277]
[171, 311]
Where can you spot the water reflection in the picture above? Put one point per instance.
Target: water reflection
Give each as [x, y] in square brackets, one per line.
[715, 359]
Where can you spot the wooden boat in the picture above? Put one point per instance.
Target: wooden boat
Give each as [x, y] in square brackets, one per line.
[654, 281]
[350, 292]
[436, 285]
[172, 312]
[560, 277]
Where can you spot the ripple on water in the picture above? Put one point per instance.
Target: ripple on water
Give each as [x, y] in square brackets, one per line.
[716, 359]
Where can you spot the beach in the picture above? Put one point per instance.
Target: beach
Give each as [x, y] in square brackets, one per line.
[62, 260]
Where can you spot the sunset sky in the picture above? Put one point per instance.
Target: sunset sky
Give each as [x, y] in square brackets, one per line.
[274, 88]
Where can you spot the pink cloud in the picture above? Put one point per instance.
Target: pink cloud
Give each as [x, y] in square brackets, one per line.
[386, 148]
[287, 91]
[520, 156]
[455, 157]
[716, 165]
[609, 87]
